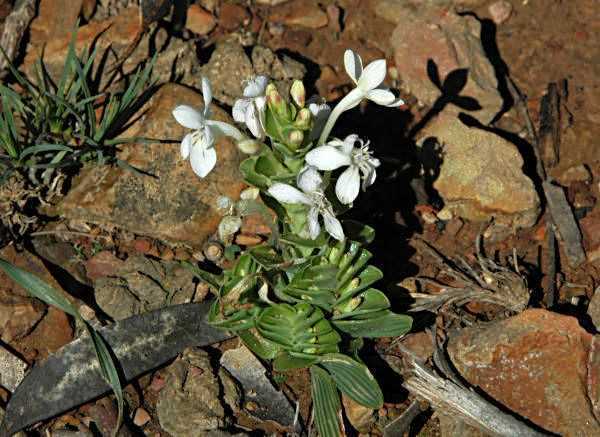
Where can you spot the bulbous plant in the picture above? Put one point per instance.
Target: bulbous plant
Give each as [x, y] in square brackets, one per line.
[304, 298]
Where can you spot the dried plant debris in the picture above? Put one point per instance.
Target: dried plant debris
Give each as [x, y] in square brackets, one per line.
[488, 282]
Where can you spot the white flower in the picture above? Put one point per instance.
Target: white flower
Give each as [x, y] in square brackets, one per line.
[359, 160]
[320, 112]
[368, 86]
[251, 108]
[309, 181]
[199, 145]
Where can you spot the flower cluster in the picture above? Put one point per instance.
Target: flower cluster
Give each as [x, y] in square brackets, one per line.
[300, 298]
[253, 111]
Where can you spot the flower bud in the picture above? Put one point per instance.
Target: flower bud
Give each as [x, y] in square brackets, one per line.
[249, 146]
[295, 138]
[303, 119]
[298, 93]
[274, 99]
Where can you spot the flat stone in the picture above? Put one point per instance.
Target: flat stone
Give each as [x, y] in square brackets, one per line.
[199, 20]
[55, 19]
[174, 204]
[304, 14]
[538, 364]
[452, 42]
[481, 175]
[189, 403]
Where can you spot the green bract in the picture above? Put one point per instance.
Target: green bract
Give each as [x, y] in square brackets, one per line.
[301, 301]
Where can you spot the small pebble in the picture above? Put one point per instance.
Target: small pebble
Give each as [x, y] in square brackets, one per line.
[141, 417]
[500, 11]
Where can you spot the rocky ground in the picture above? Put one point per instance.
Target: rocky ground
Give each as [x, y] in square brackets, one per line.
[498, 140]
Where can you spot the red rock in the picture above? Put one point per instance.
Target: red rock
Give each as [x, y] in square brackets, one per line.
[590, 228]
[247, 240]
[18, 315]
[141, 417]
[199, 20]
[143, 245]
[52, 333]
[232, 16]
[539, 364]
[104, 263]
[304, 14]
[55, 19]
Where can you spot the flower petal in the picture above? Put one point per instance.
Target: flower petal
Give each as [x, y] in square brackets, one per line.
[348, 185]
[373, 75]
[347, 145]
[353, 65]
[239, 109]
[333, 225]
[202, 159]
[309, 180]
[256, 86]
[253, 121]
[287, 194]
[206, 94]
[186, 145]
[188, 117]
[314, 229]
[327, 158]
[222, 129]
[384, 97]
[369, 178]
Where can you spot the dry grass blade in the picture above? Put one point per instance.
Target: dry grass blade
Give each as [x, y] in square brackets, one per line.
[15, 26]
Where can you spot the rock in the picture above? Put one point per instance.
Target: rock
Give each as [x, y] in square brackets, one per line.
[142, 284]
[490, 183]
[173, 204]
[116, 32]
[51, 333]
[233, 16]
[593, 309]
[263, 400]
[56, 19]
[141, 417]
[270, 2]
[199, 20]
[18, 315]
[500, 11]
[103, 264]
[590, 229]
[578, 173]
[189, 403]
[61, 254]
[229, 67]
[304, 14]
[12, 369]
[226, 69]
[452, 42]
[360, 417]
[538, 364]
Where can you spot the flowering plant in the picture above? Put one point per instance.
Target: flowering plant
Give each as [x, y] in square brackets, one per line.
[306, 296]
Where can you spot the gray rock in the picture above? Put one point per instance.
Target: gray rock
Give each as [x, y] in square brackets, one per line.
[229, 67]
[143, 284]
[189, 404]
[593, 309]
[481, 175]
[271, 404]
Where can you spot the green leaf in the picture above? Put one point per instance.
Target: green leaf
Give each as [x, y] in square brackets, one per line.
[369, 301]
[353, 379]
[300, 328]
[388, 324]
[213, 281]
[262, 347]
[41, 290]
[287, 361]
[326, 403]
[44, 148]
[266, 256]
